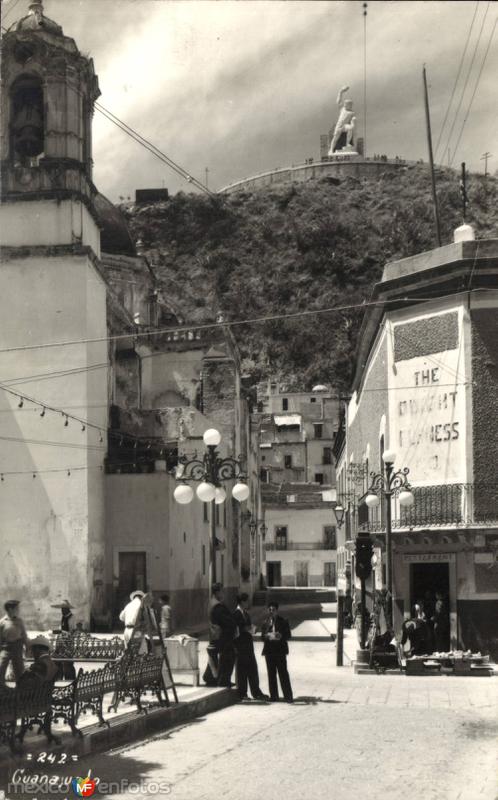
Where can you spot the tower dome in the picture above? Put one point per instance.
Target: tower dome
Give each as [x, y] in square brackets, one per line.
[36, 21]
[48, 95]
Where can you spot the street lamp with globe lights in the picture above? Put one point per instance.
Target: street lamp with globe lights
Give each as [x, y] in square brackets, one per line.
[387, 484]
[209, 472]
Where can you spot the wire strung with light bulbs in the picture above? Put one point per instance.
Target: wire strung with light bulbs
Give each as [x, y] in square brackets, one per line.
[84, 423]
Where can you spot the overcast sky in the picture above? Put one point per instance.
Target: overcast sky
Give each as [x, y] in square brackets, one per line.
[243, 87]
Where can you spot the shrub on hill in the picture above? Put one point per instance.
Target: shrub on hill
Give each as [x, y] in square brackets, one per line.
[300, 248]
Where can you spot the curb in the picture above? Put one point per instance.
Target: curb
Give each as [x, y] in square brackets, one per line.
[125, 729]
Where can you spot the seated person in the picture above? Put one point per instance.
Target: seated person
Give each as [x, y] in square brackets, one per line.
[43, 669]
[415, 636]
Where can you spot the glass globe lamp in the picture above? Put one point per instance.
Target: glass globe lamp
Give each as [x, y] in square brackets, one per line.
[406, 498]
[183, 494]
[372, 500]
[240, 492]
[220, 495]
[212, 437]
[206, 492]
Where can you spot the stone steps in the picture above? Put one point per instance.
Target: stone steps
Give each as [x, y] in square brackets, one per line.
[288, 595]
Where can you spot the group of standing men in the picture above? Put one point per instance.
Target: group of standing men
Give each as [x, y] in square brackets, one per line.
[231, 640]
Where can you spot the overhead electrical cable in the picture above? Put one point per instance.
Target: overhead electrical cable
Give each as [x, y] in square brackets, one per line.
[152, 149]
[185, 329]
[455, 149]
[456, 81]
[469, 71]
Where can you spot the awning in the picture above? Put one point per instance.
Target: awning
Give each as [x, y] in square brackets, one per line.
[287, 420]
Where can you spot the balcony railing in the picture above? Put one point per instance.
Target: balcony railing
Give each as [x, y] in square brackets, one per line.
[454, 504]
[300, 546]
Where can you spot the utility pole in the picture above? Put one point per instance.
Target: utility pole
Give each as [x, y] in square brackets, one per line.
[431, 160]
[365, 9]
[485, 158]
[463, 192]
[207, 173]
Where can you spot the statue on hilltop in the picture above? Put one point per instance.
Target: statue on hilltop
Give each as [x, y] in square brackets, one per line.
[345, 124]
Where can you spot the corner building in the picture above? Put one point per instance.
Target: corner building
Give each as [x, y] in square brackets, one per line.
[426, 387]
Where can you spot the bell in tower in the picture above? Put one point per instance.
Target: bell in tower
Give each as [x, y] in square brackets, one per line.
[47, 106]
[27, 139]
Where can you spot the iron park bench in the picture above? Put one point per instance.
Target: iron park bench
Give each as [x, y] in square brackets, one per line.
[127, 678]
[31, 706]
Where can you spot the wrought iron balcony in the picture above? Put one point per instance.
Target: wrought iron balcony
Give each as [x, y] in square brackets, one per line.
[300, 546]
[453, 505]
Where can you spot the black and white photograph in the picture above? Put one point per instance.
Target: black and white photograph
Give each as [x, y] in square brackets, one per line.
[249, 399]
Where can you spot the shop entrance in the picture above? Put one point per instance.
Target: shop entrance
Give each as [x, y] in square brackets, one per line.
[425, 581]
[273, 573]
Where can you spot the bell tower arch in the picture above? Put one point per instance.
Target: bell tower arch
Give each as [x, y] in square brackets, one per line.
[48, 96]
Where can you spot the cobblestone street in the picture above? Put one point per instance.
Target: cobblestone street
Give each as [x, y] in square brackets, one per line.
[346, 736]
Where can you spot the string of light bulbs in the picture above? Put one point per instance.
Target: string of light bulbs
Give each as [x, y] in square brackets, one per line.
[121, 436]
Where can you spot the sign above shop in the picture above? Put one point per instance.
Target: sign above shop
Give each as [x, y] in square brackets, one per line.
[422, 558]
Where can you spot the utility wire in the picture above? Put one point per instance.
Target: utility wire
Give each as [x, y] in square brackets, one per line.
[152, 148]
[456, 79]
[467, 78]
[474, 92]
[10, 9]
[228, 324]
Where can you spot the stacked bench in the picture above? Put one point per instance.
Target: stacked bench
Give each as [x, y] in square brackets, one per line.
[31, 706]
[126, 675]
[84, 647]
[128, 678]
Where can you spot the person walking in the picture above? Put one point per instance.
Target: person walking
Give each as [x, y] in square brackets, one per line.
[13, 638]
[129, 614]
[68, 626]
[247, 667]
[165, 617]
[222, 630]
[276, 634]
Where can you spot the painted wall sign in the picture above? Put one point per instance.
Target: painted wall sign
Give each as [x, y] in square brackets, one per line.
[429, 558]
[427, 412]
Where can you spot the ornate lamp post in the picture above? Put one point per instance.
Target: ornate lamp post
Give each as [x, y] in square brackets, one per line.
[385, 485]
[210, 472]
[339, 511]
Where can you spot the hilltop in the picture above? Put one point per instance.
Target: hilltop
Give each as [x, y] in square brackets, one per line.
[297, 248]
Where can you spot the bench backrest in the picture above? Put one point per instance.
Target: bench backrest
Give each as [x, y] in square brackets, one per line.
[79, 644]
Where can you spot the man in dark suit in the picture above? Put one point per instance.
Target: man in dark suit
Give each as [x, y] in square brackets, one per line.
[276, 633]
[247, 668]
[222, 629]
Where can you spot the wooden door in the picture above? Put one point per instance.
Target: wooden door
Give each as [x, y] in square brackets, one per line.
[301, 573]
[329, 573]
[132, 576]
[273, 573]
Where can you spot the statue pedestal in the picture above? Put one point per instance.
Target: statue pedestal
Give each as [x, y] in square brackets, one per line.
[344, 154]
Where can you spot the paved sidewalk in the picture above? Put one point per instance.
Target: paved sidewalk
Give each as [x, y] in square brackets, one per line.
[378, 737]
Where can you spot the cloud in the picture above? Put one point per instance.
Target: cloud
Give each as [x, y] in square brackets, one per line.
[242, 87]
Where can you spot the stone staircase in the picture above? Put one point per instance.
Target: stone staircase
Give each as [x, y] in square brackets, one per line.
[291, 595]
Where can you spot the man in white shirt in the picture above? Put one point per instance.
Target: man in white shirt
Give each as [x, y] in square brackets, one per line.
[129, 614]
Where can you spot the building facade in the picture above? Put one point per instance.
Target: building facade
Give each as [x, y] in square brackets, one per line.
[300, 544]
[97, 405]
[297, 434]
[425, 388]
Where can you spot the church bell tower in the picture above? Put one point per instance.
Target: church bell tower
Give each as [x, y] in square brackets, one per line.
[53, 297]
[48, 95]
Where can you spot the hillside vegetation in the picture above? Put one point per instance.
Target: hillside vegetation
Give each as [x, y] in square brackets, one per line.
[300, 248]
